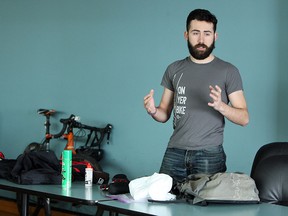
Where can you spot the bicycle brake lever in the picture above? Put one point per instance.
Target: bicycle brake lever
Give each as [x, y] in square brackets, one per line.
[108, 137]
[108, 132]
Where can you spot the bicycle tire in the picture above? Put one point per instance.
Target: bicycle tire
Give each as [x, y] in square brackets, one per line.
[35, 146]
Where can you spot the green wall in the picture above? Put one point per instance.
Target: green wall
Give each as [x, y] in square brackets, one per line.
[97, 59]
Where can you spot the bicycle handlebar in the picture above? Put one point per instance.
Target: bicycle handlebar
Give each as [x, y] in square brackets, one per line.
[71, 123]
[65, 123]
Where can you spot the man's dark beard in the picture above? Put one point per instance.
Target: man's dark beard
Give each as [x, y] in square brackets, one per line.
[199, 55]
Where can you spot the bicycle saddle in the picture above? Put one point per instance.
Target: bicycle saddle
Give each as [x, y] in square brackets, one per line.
[45, 111]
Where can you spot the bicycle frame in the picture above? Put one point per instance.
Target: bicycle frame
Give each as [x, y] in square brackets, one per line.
[68, 125]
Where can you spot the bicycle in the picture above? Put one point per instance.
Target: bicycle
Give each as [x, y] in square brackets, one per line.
[90, 152]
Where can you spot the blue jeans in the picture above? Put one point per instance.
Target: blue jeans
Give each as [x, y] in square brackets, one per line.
[179, 163]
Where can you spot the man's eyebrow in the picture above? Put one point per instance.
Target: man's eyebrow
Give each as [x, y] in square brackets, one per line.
[206, 31]
[199, 30]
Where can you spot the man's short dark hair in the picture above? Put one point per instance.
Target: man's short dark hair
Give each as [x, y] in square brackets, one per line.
[201, 15]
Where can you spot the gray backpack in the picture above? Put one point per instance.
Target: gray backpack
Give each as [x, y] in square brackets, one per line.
[220, 188]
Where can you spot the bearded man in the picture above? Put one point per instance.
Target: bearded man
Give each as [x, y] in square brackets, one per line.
[202, 91]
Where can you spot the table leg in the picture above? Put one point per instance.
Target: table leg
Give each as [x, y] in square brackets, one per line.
[47, 206]
[99, 212]
[24, 205]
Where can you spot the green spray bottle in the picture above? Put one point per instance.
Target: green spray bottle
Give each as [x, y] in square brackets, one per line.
[66, 168]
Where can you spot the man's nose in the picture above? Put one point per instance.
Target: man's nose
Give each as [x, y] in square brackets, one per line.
[201, 38]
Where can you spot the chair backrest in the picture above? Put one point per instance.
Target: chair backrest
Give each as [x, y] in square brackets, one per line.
[270, 172]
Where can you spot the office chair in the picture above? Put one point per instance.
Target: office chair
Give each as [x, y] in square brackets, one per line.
[270, 173]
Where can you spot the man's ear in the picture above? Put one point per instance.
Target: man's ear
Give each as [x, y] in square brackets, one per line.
[186, 35]
[216, 36]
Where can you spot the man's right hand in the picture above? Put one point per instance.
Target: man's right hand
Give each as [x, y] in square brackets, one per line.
[149, 103]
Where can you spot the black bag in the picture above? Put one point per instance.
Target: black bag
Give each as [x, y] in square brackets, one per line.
[37, 167]
[119, 185]
[78, 172]
[6, 165]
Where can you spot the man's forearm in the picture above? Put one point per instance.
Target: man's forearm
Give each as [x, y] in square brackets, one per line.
[160, 115]
[238, 116]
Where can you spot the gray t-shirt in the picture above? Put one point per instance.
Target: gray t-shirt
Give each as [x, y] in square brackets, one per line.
[197, 125]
